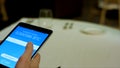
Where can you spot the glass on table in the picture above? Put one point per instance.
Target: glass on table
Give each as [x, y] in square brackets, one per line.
[48, 15]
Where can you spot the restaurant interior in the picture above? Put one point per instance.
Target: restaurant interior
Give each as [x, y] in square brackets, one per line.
[83, 10]
[86, 33]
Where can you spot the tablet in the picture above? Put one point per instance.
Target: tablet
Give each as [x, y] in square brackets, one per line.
[13, 46]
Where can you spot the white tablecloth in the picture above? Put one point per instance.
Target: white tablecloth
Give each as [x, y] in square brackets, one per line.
[70, 48]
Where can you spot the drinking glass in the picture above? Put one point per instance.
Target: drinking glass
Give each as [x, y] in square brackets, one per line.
[48, 15]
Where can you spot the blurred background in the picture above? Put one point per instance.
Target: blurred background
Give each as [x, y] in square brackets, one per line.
[83, 10]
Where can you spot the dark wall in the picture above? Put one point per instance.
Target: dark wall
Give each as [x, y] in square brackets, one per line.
[30, 8]
[26, 8]
[68, 8]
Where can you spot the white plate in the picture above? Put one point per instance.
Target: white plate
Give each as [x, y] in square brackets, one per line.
[92, 31]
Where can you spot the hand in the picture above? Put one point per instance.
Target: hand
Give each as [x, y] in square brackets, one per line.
[25, 60]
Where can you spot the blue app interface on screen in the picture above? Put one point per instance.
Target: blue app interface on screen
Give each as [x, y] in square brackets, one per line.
[13, 47]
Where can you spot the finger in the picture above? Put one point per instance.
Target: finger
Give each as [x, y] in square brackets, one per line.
[28, 51]
[37, 58]
[0, 40]
[36, 61]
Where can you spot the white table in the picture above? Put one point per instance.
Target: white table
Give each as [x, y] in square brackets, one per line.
[70, 48]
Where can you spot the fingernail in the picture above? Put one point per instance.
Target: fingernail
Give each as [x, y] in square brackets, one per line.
[29, 44]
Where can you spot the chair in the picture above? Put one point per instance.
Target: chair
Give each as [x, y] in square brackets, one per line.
[3, 10]
[109, 5]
